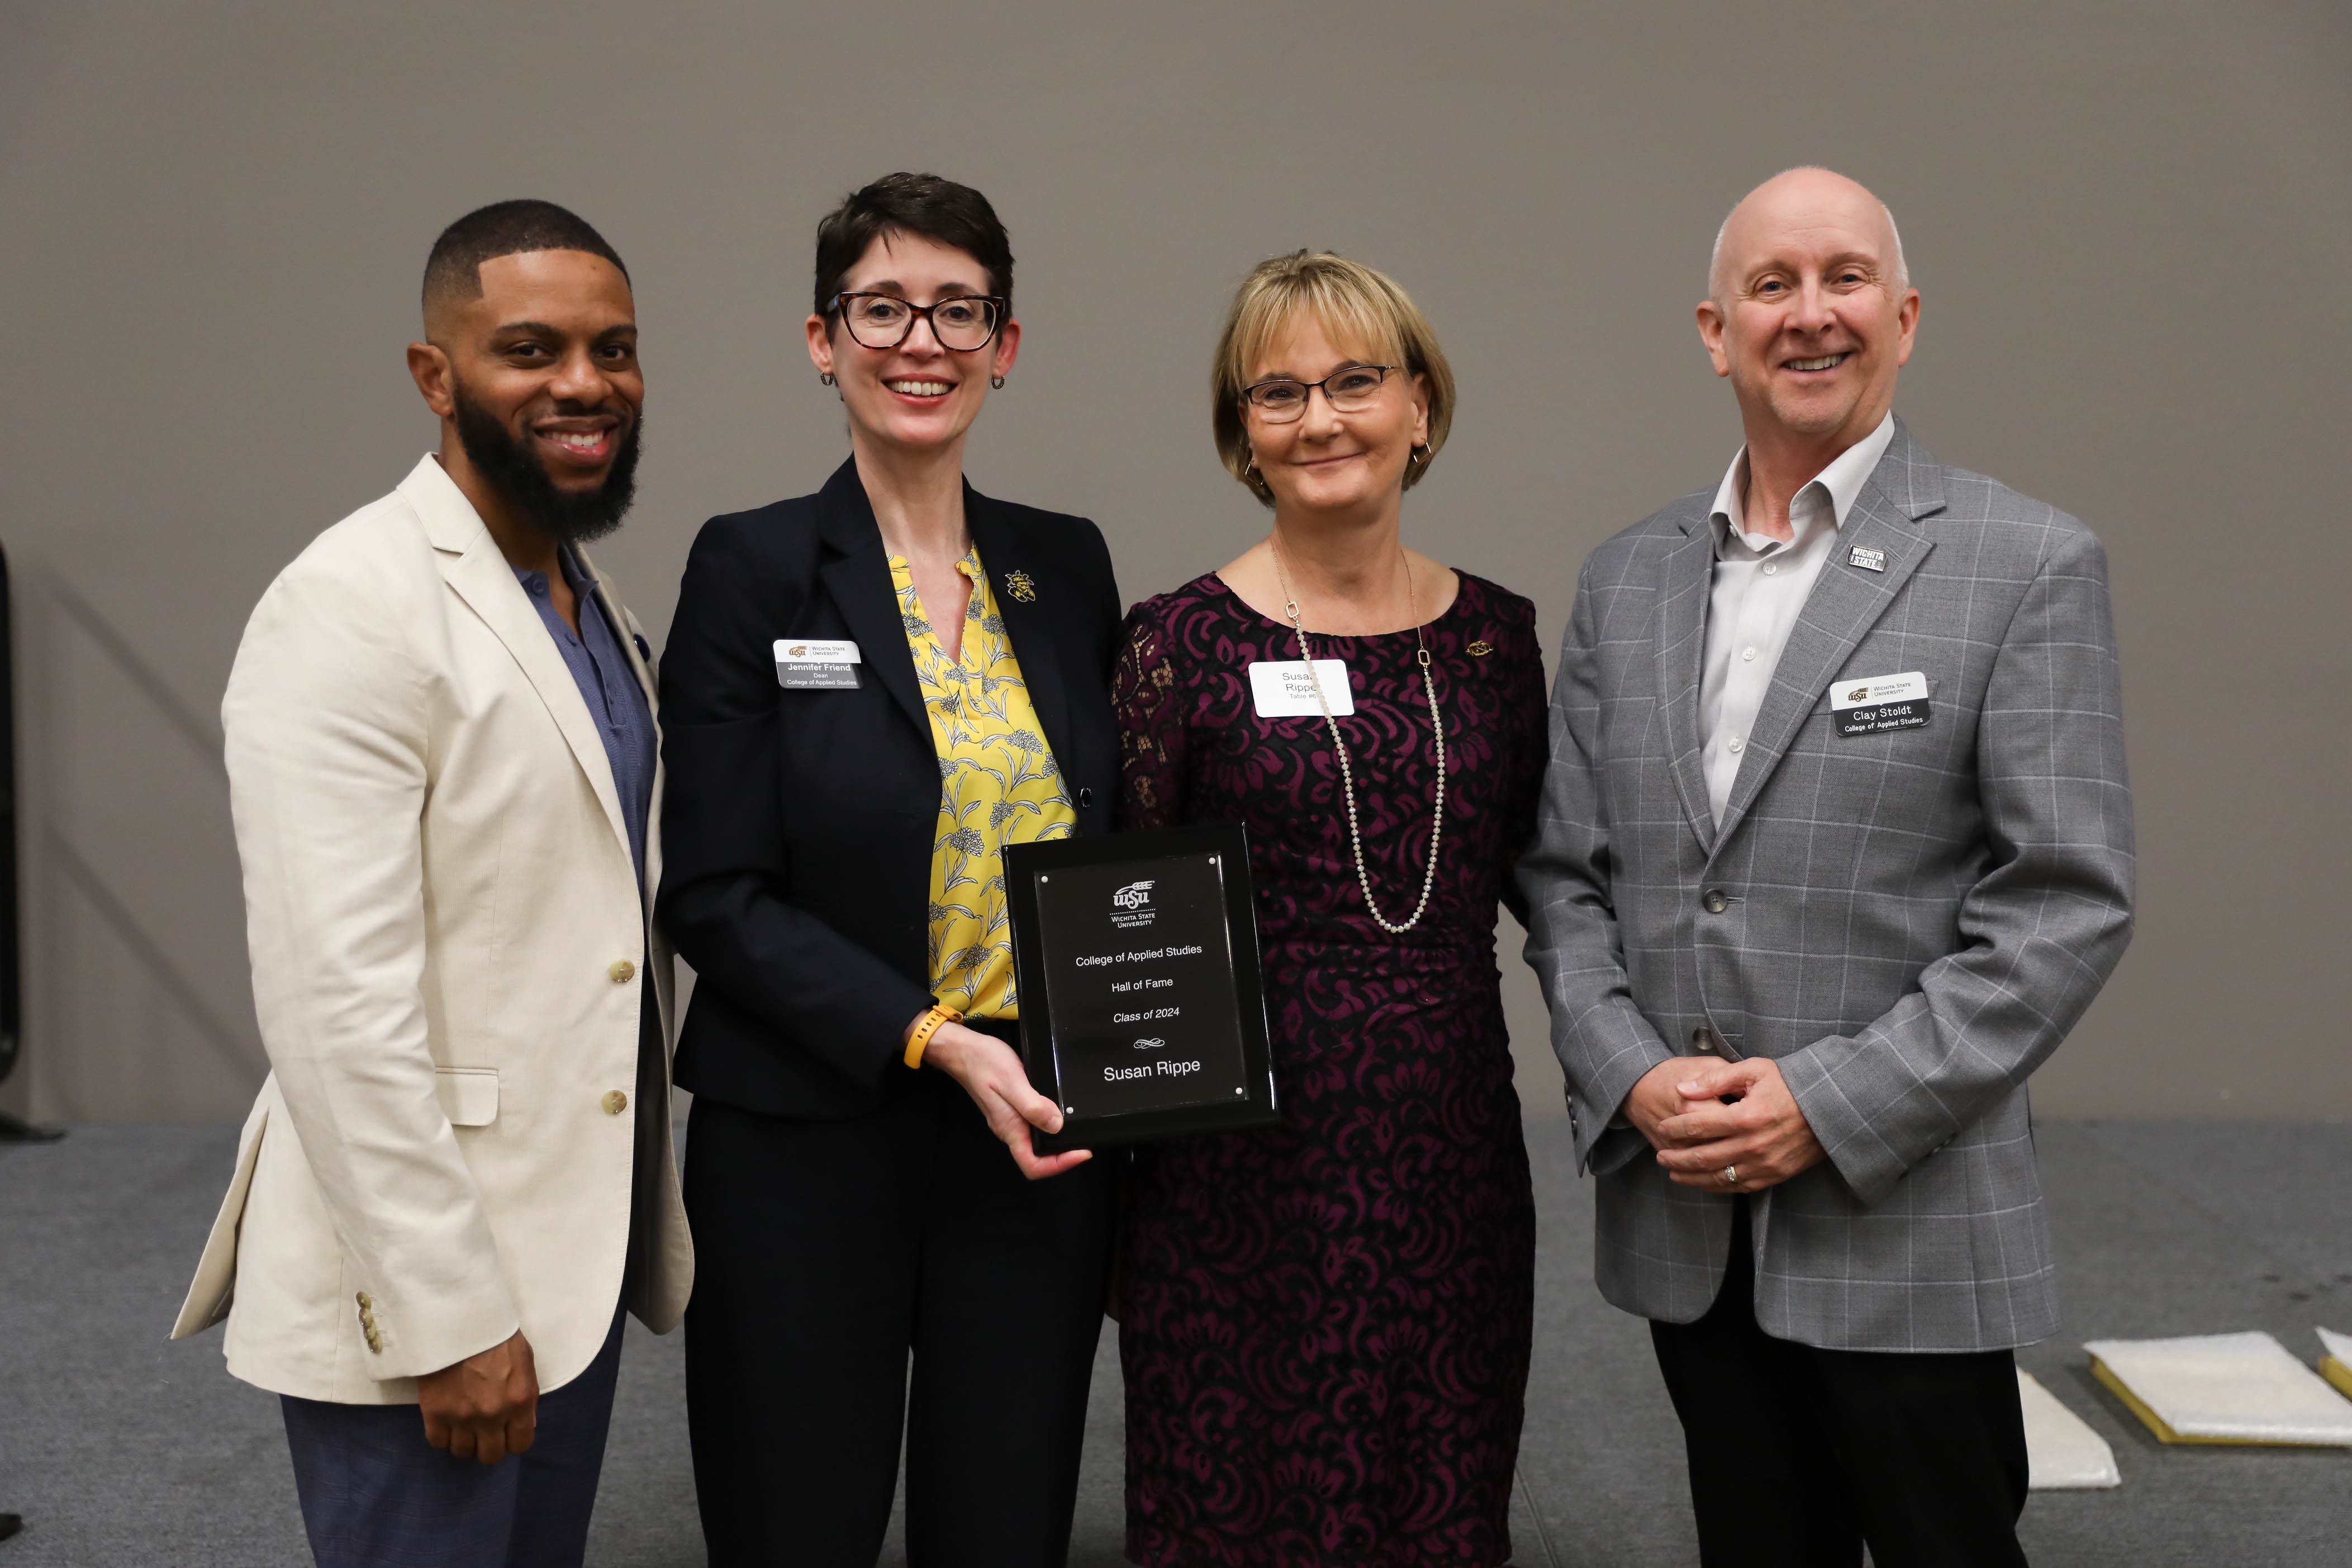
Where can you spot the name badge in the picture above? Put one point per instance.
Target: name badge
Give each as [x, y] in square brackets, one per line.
[1879, 703]
[1284, 689]
[803, 664]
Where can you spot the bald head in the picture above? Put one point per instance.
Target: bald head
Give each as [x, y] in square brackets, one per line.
[1811, 313]
[1802, 199]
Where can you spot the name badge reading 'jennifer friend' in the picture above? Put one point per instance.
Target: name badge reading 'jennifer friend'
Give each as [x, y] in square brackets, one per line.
[1879, 703]
[803, 664]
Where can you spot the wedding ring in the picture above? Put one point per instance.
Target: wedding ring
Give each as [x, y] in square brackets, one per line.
[1731, 1176]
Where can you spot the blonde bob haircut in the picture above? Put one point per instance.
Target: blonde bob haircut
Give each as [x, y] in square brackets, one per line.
[1358, 308]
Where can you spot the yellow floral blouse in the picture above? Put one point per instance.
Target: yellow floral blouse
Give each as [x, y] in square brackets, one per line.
[998, 787]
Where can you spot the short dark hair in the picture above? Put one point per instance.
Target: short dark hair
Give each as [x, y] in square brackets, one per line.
[940, 210]
[453, 270]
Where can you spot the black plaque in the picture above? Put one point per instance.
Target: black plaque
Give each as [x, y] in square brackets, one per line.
[1142, 1006]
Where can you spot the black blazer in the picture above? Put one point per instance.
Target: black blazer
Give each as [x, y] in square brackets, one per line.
[797, 826]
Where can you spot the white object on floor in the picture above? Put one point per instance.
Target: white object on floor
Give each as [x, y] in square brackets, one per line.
[2222, 1388]
[2336, 1366]
[2061, 1450]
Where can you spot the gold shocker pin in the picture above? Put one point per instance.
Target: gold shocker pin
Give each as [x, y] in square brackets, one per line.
[1480, 649]
[1017, 583]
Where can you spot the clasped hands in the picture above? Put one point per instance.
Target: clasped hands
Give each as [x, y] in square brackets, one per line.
[1705, 1116]
[990, 1072]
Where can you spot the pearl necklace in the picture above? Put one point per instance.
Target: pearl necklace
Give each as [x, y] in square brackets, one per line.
[1346, 776]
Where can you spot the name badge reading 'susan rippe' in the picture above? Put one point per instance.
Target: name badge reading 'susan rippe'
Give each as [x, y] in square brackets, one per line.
[803, 664]
[1282, 688]
[1879, 703]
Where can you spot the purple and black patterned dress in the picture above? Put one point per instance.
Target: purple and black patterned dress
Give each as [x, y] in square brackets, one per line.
[1325, 1325]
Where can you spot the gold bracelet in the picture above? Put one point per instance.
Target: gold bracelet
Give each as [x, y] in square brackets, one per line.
[925, 1028]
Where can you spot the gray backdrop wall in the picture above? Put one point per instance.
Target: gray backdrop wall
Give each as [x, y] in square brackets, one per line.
[2129, 221]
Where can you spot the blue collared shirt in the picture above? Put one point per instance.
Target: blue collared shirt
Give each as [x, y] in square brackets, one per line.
[601, 669]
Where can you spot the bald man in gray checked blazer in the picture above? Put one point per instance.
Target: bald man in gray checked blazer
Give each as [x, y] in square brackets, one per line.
[1835, 848]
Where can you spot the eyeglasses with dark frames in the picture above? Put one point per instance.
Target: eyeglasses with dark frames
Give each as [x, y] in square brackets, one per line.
[963, 322]
[1280, 400]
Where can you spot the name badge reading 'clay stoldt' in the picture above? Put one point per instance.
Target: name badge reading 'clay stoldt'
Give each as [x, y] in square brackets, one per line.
[1142, 1011]
[1879, 703]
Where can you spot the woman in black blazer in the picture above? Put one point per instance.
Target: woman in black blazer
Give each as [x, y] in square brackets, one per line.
[858, 1169]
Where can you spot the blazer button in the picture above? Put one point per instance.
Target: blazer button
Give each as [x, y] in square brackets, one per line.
[623, 971]
[615, 1102]
[1714, 900]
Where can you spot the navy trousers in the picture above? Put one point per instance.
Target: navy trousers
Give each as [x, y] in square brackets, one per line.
[375, 1494]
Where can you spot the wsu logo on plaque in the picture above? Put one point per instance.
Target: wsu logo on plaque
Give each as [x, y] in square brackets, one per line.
[1131, 906]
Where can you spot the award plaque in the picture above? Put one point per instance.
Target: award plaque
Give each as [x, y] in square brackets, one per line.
[1142, 1006]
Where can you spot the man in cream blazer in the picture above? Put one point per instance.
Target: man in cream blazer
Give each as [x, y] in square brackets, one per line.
[443, 766]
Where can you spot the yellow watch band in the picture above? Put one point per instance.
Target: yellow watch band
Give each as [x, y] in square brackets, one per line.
[927, 1025]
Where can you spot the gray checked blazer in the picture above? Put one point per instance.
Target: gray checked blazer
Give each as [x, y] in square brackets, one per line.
[1908, 923]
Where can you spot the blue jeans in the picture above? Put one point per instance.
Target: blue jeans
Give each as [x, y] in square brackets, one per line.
[375, 1494]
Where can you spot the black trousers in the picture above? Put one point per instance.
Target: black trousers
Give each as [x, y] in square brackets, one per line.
[826, 1252]
[1800, 1455]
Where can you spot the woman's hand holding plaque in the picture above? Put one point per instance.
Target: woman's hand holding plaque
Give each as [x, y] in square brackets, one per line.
[990, 1072]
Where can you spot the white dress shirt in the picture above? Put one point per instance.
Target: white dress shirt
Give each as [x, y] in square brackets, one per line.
[1759, 588]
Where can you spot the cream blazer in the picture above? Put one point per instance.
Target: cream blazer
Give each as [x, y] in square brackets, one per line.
[449, 946]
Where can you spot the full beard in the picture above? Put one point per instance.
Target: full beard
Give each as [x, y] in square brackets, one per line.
[516, 472]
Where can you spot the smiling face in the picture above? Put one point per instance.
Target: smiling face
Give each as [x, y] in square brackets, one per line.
[542, 367]
[920, 396]
[1811, 318]
[1326, 461]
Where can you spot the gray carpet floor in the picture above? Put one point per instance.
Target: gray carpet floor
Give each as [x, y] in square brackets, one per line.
[120, 1448]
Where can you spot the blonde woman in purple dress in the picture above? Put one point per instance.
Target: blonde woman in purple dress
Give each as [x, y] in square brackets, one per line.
[1325, 1326]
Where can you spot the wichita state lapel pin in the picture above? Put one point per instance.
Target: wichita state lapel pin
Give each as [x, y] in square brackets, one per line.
[1017, 583]
[1869, 560]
